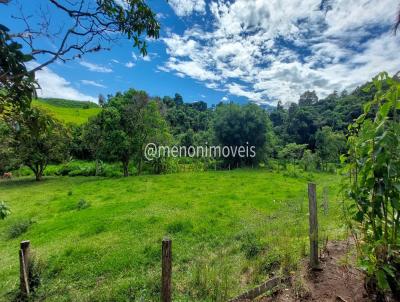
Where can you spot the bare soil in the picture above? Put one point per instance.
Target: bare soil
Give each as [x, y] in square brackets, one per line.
[338, 279]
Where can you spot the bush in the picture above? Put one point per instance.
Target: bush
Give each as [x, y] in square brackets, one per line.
[4, 210]
[251, 245]
[19, 228]
[82, 204]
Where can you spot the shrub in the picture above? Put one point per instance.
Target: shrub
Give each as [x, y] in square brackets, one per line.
[19, 228]
[82, 204]
[251, 245]
[4, 210]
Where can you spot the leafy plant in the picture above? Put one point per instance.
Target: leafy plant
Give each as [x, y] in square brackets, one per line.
[374, 174]
[4, 210]
[82, 204]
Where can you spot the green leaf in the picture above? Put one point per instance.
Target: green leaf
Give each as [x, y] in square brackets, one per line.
[381, 278]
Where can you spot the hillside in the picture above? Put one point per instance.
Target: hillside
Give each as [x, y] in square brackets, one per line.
[68, 111]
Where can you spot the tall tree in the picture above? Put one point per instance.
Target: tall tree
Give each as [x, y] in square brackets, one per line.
[40, 140]
[247, 125]
[123, 127]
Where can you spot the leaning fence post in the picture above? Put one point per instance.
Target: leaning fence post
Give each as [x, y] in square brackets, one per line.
[166, 270]
[24, 268]
[25, 247]
[325, 193]
[312, 206]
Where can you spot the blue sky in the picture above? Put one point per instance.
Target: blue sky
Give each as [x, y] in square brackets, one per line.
[244, 50]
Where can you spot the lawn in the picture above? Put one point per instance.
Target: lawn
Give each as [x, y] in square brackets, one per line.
[67, 111]
[99, 239]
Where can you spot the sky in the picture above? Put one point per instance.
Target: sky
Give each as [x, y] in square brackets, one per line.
[258, 51]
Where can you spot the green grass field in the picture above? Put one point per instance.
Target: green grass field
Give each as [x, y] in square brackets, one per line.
[230, 231]
[73, 112]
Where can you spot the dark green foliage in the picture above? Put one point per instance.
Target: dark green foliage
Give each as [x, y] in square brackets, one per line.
[17, 86]
[251, 245]
[124, 127]
[8, 160]
[40, 140]
[247, 125]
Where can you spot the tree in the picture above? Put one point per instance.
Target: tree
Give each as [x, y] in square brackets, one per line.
[292, 152]
[330, 145]
[308, 98]
[178, 99]
[247, 125]
[123, 127]
[102, 100]
[8, 160]
[39, 140]
[309, 160]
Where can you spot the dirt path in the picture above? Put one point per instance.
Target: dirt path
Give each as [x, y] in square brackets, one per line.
[337, 281]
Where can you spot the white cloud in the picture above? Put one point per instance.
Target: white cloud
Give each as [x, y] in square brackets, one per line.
[187, 7]
[129, 64]
[92, 83]
[267, 50]
[115, 61]
[146, 58]
[95, 67]
[122, 3]
[53, 85]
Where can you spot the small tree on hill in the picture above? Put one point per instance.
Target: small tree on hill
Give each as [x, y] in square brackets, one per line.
[39, 140]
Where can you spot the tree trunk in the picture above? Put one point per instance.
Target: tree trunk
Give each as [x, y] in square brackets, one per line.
[140, 164]
[38, 175]
[97, 167]
[125, 166]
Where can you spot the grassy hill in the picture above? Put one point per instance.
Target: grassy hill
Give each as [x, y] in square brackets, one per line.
[68, 111]
[100, 239]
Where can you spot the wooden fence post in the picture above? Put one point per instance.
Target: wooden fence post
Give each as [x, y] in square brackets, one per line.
[312, 206]
[24, 268]
[166, 288]
[25, 247]
[325, 193]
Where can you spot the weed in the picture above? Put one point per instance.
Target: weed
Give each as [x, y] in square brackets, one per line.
[19, 228]
[251, 245]
[82, 204]
[180, 227]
